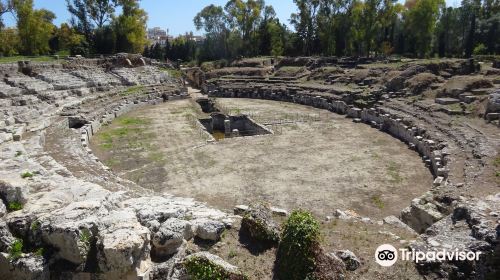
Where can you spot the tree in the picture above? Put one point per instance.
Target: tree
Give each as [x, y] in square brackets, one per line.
[130, 27]
[213, 20]
[35, 27]
[80, 19]
[10, 42]
[243, 17]
[4, 8]
[101, 11]
[68, 39]
[305, 23]
[420, 21]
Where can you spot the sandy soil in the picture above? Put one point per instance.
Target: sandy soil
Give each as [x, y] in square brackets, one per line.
[317, 165]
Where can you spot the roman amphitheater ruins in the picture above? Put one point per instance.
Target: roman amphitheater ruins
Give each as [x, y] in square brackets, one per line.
[116, 168]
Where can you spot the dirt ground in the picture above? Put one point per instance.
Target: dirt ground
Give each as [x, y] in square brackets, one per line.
[321, 163]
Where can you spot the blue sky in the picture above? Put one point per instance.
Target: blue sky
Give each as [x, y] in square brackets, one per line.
[174, 15]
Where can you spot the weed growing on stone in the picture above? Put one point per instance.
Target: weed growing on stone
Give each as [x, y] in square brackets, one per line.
[85, 237]
[14, 206]
[19, 153]
[39, 252]
[35, 226]
[26, 175]
[16, 250]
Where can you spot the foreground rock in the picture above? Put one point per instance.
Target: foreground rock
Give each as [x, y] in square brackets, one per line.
[258, 224]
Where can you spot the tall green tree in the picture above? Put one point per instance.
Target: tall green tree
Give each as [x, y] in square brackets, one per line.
[10, 42]
[305, 23]
[213, 21]
[420, 21]
[130, 27]
[34, 27]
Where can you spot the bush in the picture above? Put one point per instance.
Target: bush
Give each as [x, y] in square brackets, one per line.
[202, 269]
[296, 252]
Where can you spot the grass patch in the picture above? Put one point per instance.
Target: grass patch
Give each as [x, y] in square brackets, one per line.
[458, 107]
[108, 138]
[14, 206]
[13, 59]
[156, 156]
[496, 162]
[133, 90]
[232, 254]
[16, 250]
[133, 121]
[377, 201]
[111, 162]
[394, 172]
[27, 175]
[174, 73]
[18, 153]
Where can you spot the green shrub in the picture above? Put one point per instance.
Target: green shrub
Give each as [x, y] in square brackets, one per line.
[19, 153]
[202, 269]
[296, 251]
[14, 206]
[16, 249]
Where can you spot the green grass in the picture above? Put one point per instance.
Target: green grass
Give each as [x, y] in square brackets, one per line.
[35, 226]
[133, 121]
[232, 254]
[14, 59]
[26, 175]
[19, 153]
[496, 162]
[133, 90]
[14, 206]
[174, 73]
[457, 107]
[16, 250]
[377, 201]
[85, 238]
[393, 172]
[107, 138]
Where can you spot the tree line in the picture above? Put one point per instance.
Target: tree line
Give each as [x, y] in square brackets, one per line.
[94, 28]
[417, 28]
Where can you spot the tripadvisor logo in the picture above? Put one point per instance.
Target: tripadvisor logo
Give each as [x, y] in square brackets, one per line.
[386, 255]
